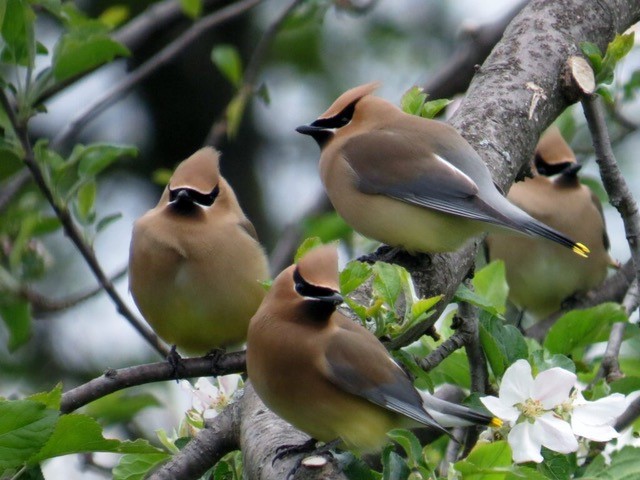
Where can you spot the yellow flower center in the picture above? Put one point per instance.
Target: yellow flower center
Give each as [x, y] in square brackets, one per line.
[531, 408]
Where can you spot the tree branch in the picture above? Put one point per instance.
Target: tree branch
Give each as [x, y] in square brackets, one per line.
[161, 58]
[114, 380]
[47, 305]
[247, 88]
[454, 77]
[629, 416]
[220, 436]
[620, 195]
[74, 233]
[613, 289]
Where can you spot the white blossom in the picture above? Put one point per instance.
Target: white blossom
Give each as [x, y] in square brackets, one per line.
[528, 405]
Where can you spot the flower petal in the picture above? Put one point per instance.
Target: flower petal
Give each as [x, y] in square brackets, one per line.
[597, 433]
[603, 411]
[517, 383]
[229, 383]
[525, 445]
[500, 409]
[552, 386]
[555, 433]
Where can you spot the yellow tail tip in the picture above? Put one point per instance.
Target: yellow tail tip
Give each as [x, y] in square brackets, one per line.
[495, 422]
[581, 249]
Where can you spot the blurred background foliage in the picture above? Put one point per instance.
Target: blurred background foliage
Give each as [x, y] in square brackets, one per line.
[320, 50]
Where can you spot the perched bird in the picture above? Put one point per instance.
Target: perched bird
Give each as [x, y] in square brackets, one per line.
[408, 181]
[195, 263]
[327, 375]
[541, 274]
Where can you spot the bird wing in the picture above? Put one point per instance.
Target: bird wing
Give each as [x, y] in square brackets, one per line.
[360, 365]
[391, 162]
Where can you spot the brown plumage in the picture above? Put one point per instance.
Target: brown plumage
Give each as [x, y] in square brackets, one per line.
[409, 181]
[195, 263]
[539, 273]
[325, 374]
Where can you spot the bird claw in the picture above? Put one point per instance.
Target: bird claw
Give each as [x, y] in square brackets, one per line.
[286, 450]
[175, 360]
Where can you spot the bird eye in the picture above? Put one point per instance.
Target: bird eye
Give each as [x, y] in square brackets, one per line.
[306, 289]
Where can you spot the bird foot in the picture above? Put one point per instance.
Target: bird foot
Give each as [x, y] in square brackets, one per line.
[384, 253]
[286, 450]
[175, 360]
[215, 354]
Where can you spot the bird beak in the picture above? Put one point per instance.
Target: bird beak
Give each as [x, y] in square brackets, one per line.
[309, 129]
[334, 299]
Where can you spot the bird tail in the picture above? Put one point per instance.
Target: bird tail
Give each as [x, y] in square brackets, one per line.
[534, 227]
[450, 414]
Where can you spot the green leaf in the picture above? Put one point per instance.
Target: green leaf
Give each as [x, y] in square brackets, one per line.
[625, 464]
[234, 113]
[620, 46]
[486, 462]
[104, 222]
[115, 15]
[161, 176]
[393, 466]
[25, 426]
[49, 399]
[410, 444]
[632, 85]
[432, 108]
[46, 225]
[136, 466]
[593, 53]
[465, 294]
[95, 158]
[387, 282]
[580, 328]
[16, 315]
[503, 344]
[228, 61]
[18, 34]
[329, 226]
[355, 273]
[83, 48]
[422, 379]
[423, 305]
[413, 100]
[307, 245]
[120, 407]
[557, 465]
[490, 283]
[542, 360]
[77, 433]
[191, 8]
[86, 200]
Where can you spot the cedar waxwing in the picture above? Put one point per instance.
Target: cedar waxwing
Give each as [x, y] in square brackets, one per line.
[408, 181]
[195, 263]
[327, 375]
[541, 274]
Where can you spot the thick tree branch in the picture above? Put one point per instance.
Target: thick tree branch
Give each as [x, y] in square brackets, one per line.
[220, 436]
[161, 58]
[114, 380]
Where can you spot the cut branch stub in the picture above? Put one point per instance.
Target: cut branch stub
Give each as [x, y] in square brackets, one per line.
[578, 78]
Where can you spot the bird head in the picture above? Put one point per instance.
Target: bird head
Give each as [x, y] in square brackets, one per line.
[338, 115]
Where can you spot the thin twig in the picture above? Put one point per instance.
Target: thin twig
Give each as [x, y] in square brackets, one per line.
[74, 233]
[620, 195]
[161, 58]
[446, 348]
[46, 305]
[629, 416]
[132, 35]
[247, 88]
[114, 380]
